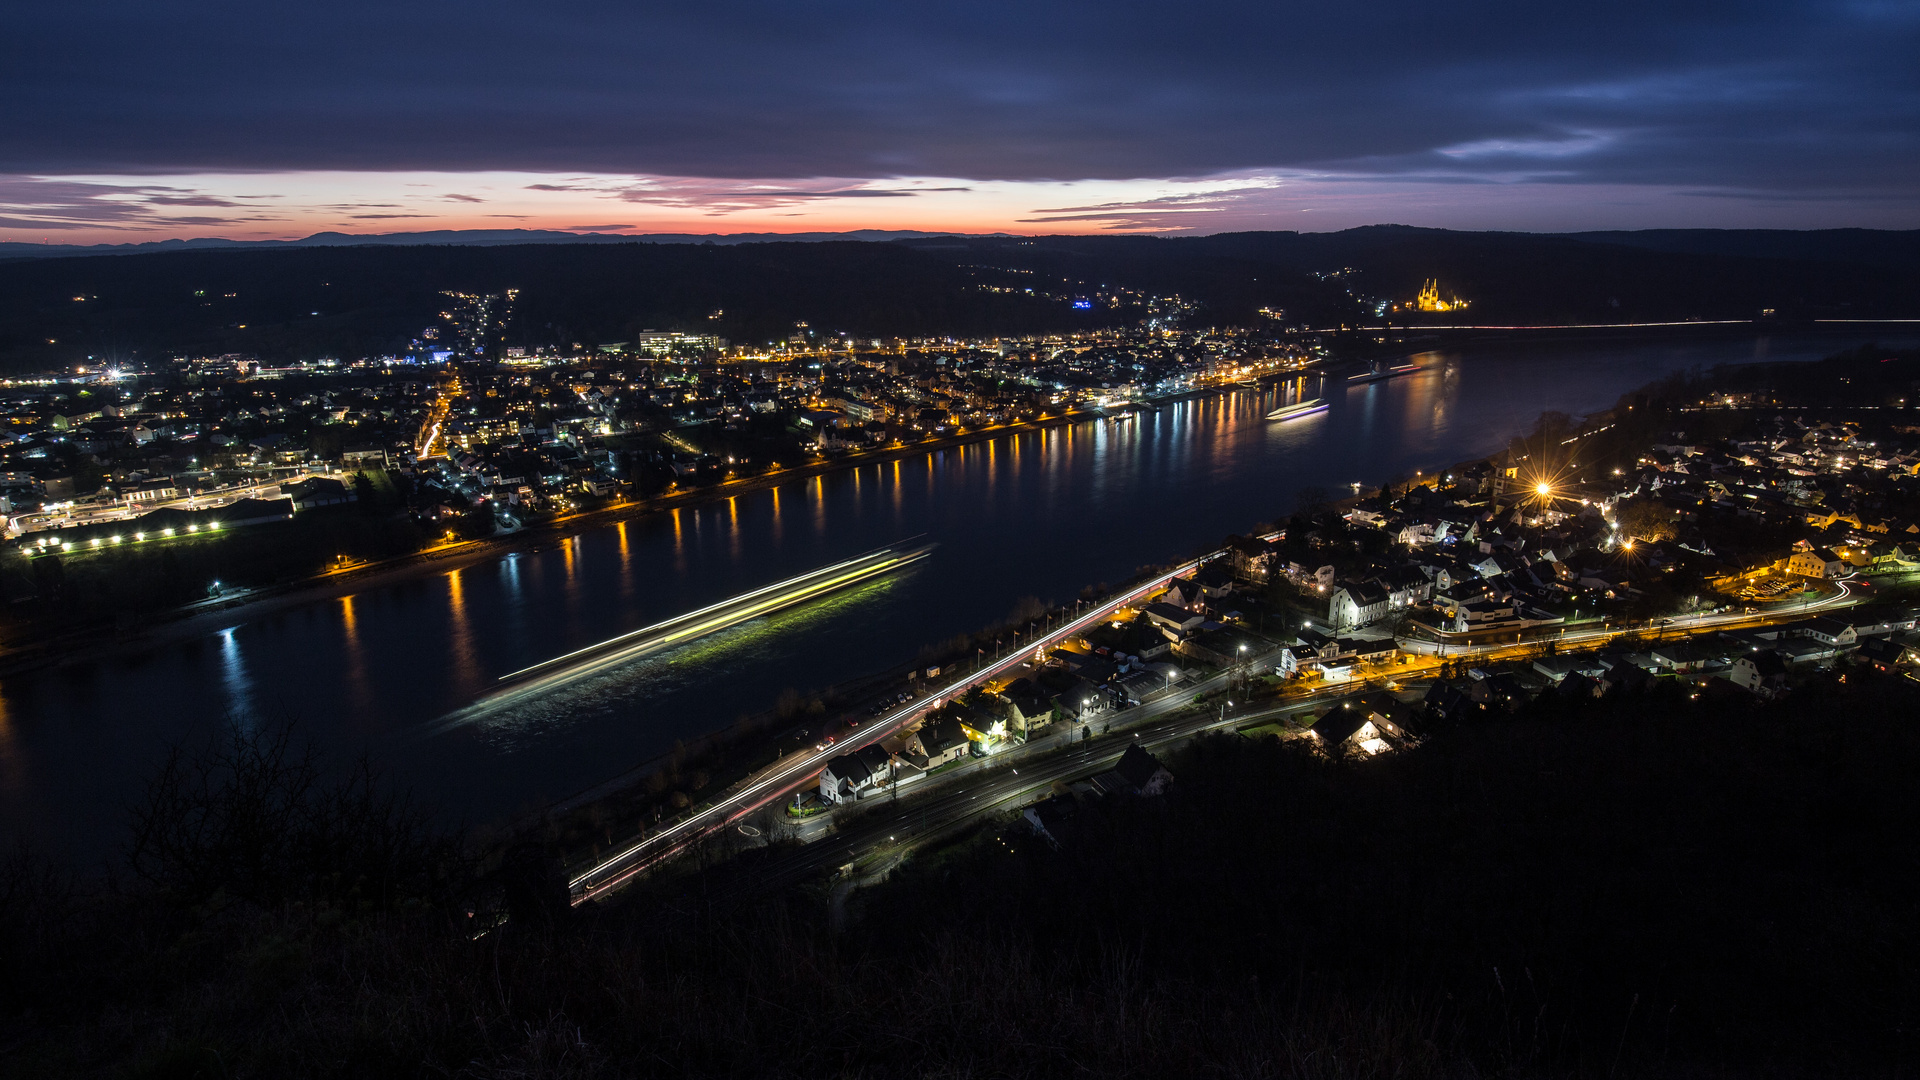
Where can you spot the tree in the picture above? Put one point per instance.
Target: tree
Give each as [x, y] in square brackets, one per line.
[1646, 519]
[252, 816]
[477, 523]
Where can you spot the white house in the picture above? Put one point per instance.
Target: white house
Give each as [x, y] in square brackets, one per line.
[1816, 563]
[1357, 603]
[1761, 671]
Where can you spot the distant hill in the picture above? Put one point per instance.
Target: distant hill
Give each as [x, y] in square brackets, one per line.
[1864, 247]
[351, 296]
[307, 302]
[1511, 278]
[474, 237]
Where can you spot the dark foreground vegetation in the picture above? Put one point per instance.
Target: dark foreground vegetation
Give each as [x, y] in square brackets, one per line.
[1646, 886]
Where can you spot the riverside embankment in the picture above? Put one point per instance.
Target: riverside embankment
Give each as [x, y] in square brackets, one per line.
[374, 662]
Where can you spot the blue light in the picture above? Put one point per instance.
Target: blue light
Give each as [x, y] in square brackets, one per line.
[1083, 305]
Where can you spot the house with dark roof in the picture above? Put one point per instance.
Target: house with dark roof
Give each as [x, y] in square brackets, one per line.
[1883, 653]
[941, 740]
[316, 491]
[1761, 671]
[1344, 728]
[1178, 622]
[1137, 773]
[845, 776]
[1029, 708]
[1444, 701]
[1250, 556]
[1054, 819]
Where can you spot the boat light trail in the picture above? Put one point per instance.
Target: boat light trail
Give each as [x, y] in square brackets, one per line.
[549, 675]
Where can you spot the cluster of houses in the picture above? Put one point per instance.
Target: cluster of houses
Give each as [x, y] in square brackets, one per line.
[112, 445]
[871, 397]
[1760, 661]
[973, 724]
[1486, 551]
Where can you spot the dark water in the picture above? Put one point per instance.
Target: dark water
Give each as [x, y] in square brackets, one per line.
[1040, 514]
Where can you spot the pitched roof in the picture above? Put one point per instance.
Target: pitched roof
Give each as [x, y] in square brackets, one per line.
[1138, 766]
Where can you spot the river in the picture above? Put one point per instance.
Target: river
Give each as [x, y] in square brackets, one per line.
[1038, 514]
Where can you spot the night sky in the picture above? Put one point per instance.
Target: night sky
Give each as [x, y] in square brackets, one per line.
[137, 121]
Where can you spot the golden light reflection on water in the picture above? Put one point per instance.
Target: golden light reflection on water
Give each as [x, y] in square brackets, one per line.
[679, 545]
[626, 563]
[466, 658]
[733, 526]
[356, 666]
[776, 513]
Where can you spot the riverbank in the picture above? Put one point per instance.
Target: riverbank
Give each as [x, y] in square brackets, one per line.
[102, 640]
[376, 671]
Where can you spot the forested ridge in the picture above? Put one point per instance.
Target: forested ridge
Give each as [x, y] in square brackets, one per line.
[1650, 885]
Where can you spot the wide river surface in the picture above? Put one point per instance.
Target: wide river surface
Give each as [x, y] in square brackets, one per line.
[1040, 514]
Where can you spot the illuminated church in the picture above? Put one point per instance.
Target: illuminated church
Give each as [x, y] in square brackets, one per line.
[1430, 299]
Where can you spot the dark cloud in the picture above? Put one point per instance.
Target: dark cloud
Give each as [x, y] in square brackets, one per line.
[1744, 95]
[37, 203]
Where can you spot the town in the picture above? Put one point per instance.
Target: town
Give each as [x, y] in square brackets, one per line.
[1755, 554]
[461, 438]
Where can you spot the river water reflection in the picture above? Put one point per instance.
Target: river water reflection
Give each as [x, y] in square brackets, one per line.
[1039, 514]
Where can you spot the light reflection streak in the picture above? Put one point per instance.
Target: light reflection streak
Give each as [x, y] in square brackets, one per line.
[234, 677]
[466, 660]
[543, 678]
[626, 564]
[633, 680]
[356, 657]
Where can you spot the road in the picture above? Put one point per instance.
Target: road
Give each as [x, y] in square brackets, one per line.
[790, 773]
[1690, 624]
[936, 812]
[1014, 778]
[888, 828]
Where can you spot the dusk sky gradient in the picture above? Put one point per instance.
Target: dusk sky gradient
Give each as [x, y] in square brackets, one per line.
[142, 121]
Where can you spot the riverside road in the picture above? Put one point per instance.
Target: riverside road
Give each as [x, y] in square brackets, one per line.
[890, 824]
